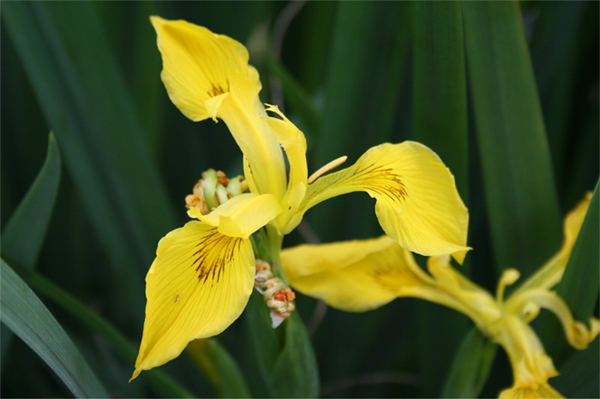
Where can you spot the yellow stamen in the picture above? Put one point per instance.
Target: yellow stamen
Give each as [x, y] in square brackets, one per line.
[330, 166]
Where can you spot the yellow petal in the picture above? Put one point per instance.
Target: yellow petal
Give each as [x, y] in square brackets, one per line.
[469, 298]
[207, 75]
[197, 286]
[199, 65]
[578, 334]
[241, 215]
[294, 143]
[551, 273]
[542, 391]
[417, 201]
[355, 276]
[532, 367]
[264, 166]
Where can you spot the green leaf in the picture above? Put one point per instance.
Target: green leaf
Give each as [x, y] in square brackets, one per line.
[220, 368]
[439, 85]
[28, 318]
[580, 283]
[471, 366]
[440, 117]
[579, 376]
[297, 97]
[284, 355]
[83, 96]
[560, 42]
[161, 382]
[517, 172]
[24, 233]
[365, 70]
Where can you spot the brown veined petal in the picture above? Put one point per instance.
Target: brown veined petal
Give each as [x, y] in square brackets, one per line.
[197, 286]
[356, 276]
[417, 201]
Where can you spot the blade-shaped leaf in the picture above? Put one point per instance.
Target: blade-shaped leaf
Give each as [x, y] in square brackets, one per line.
[516, 167]
[24, 233]
[284, 355]
[440, 115]
[439, 83]
[220, 367]
[561, 39]
[365, 71]
[471, 366]
[579, 376]
[161, 382]
[82, 94]
[580, 283]
[297, 97]
[28, 318]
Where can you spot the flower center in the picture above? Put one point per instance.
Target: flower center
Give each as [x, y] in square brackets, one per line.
[214, 189]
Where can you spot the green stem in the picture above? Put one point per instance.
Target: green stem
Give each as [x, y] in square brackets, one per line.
[275, 240]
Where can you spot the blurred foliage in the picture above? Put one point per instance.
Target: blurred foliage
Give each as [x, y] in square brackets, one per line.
[507, 93]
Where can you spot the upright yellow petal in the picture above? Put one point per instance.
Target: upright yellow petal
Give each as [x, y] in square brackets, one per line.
[197, 286]
[199, 65]
[417, 201]
[551, 273]
[241, 215]
[207, 75]
[294, 143]
[355, 276]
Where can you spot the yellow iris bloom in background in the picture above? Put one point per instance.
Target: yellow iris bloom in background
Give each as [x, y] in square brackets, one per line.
[361, 275]
[203, 275]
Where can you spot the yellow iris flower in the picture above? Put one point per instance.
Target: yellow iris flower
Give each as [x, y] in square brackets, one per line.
[204, 272]
[361, 275]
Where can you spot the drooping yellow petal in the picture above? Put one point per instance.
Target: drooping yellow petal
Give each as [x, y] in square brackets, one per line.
[543, 391]
[207, 75]
[197, 286]
[532, 367]
[355, 276]
[241, 215]
[417, 201]
[578, 334]
[551, 273]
